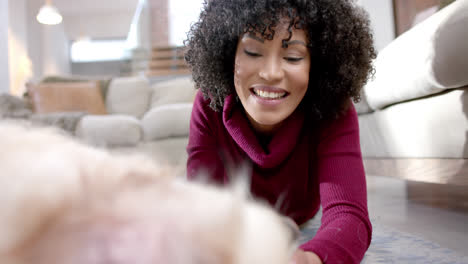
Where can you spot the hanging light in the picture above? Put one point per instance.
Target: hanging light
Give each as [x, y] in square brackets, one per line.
[48, 14]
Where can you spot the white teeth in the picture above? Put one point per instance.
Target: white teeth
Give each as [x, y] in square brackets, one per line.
[269, 95]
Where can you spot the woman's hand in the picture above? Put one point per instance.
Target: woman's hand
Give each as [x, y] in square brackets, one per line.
[305, 257]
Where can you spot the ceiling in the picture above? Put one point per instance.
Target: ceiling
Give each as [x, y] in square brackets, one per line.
[74, 7]
[97, 19]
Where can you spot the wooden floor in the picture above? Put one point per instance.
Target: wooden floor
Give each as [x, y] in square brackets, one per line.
[446, 196]
[441, 183]
[440, 171]
[423, 209]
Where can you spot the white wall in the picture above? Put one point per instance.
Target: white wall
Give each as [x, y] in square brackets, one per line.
[55, 51]
[98, 26]
[34, 38]
[139, 36]
[29, 50]
[19, 63]
[381, 16]
[4, 71]
[47, 45]
[182, 14]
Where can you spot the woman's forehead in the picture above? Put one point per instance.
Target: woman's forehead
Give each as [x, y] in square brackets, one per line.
[281, 28]
[298, 36]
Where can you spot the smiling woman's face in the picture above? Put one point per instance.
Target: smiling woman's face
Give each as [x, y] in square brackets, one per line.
[270, 79]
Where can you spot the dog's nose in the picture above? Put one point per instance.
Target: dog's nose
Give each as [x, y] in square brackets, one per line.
[292, 226]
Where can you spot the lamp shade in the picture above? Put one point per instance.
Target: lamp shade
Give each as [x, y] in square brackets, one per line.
[49, 15]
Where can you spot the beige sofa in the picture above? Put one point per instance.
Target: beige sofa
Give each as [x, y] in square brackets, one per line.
[141, 115]
[151, 118]
[414, 113]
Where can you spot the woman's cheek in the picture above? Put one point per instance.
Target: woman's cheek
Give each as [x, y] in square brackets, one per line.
[240, 70]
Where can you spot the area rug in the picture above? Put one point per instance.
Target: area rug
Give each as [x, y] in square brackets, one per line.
[392, 246]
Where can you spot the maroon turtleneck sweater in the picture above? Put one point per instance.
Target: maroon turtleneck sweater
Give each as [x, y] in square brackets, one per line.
[303, 166]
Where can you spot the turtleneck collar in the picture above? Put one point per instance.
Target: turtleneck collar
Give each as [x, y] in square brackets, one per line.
[282, 140]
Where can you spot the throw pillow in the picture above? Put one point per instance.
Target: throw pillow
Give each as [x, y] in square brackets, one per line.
[178, 90]
[110, 130]
[171, 120]
[128, 96]
[67, 97]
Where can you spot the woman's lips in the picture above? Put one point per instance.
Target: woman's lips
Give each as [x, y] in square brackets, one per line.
[269, 93]
[269, 97]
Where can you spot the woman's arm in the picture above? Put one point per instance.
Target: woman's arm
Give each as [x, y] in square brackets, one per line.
[203, 148]
[305, 257]
[345, 233]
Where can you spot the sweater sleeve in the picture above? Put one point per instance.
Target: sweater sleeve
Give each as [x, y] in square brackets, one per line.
[202, 149]
[345, 231]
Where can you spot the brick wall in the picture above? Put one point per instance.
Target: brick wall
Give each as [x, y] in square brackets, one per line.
[159, 22]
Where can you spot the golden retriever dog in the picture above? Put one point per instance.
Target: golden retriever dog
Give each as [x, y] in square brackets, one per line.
[63, 202]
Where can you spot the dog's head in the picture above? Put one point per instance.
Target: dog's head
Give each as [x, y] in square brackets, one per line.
[63, 202]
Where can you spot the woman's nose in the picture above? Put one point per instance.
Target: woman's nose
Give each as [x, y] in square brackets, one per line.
[271, 70]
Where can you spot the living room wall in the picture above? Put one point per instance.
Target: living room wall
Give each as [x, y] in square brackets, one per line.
[47, 45]
[98, 25]
[115, 25]
[29, 50]
[56, 60]
[34, 50]
[382, 22]
[4, 71]
[20, 66]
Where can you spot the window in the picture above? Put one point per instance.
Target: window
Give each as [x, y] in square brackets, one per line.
[98, 50]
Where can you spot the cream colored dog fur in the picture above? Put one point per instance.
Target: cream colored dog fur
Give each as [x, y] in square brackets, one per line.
[63, 202]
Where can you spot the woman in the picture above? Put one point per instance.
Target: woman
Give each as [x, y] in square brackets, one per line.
[276, 79]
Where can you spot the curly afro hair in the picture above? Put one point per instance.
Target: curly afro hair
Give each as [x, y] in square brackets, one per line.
[340, 45]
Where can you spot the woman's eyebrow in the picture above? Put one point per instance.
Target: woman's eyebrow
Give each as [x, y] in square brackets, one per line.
[252, 36]
[300, 42]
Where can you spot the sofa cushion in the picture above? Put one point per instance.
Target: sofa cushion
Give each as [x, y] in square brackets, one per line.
[128, 95]
[171, 120]
[435, 127]
[427, 59]
[110, 130]
[177, 90]
[66, 97]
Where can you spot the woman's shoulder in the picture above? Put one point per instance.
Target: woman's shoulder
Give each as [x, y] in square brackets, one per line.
[201, 103]
[200, 100]
[202, 110]
[345, 121]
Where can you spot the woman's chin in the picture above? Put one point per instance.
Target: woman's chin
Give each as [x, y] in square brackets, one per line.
[267, 124]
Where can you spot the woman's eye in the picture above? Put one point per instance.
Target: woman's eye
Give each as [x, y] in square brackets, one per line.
[293, 59]
[251, 54]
